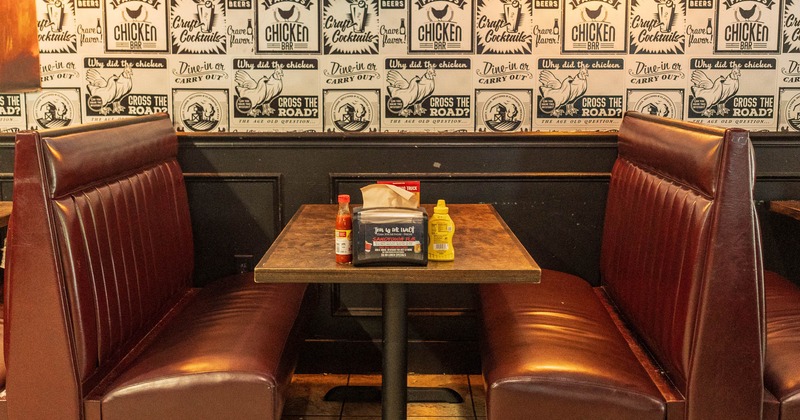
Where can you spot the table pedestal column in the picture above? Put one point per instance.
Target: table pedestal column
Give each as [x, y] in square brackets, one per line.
[395, 358]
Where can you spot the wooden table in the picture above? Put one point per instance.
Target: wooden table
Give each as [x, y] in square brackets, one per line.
[789, 208]
[486, 252]
[5, 212]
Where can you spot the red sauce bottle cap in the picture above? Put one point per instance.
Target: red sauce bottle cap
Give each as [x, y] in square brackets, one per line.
[344, 198]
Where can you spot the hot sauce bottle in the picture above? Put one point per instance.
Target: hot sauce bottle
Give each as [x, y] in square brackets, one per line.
[344, 229]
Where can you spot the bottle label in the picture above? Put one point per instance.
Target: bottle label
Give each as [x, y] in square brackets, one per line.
[344, 242]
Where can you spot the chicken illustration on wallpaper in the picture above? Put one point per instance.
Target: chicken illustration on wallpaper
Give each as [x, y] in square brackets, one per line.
[407, 96]
[710, 96]
[255, 96]
[107, 93]
[558, 93]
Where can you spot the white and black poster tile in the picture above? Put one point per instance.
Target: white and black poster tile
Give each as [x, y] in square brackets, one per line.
[351, 110]
[350, 27]
[279, 94]
[748, 26]
[501, 72]
[118, 87]
[59, 70]
[427, 94]
[657, 71]
[503, 110]
[579, 93]
[198, 27]
[789, 70]
[441, 26]
[240, 27]
[57, 26]
[661, 102]
[789, 109]
[595, 26]
[393, 32]
[90, 27]
[288, 26]
[53, 108]
[733, 92]
[546, 32]
[791, 26]
[504, 26]
[657, 27]
[203, 110]
[699, 30]
[348, 72]
[789, 92]
[656, 84]
[198, 71]
[136, 26]
[13, 115]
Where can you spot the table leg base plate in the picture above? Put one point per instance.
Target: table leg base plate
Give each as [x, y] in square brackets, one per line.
[373, 394]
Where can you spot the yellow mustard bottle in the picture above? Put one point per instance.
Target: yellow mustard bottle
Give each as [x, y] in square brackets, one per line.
[440, 231]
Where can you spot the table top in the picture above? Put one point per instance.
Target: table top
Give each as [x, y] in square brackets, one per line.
[789, 208]
[486, 252]
[5, 212]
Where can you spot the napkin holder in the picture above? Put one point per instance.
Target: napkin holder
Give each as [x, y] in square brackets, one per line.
[390, 236]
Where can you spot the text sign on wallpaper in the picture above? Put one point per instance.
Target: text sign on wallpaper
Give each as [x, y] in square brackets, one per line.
[136, 25]
[198, 27]
[12, 112]
[579, 91]
[441, 26]
[732, 92]
[287, 26]
[657, 27]
[791, 26]
[276, 94]
[424, 94]
[56, 20]
[504, 26]
[350, 27]
[748, 26]
[595, 26]
[124, 87]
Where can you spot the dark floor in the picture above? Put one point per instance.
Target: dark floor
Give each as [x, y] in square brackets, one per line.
[306, 398]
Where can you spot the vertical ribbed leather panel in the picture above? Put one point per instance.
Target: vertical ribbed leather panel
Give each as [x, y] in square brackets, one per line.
[132, 239]
[651, 264]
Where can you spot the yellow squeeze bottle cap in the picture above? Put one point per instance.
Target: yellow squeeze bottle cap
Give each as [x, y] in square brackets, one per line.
[441, 207]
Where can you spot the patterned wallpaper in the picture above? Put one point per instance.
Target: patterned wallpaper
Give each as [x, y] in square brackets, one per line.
[414, 65]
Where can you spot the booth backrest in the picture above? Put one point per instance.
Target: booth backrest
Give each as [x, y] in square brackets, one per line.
[98, 200]
[682, 281]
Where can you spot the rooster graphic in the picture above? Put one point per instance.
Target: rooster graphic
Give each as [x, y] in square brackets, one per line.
[564, 92]
[715, 92]
[439, 14]
[411, 93]
[110, 91]
[259, 92]
[594, 14]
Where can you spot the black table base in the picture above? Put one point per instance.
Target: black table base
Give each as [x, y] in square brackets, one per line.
[394, 393]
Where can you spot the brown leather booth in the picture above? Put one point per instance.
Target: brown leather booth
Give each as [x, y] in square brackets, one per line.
[102, 320]
[782, 363]
[675, 331]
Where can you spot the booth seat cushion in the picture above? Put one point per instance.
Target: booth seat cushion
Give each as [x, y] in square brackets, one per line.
[226, 350]
[560, 358]
[782, 364]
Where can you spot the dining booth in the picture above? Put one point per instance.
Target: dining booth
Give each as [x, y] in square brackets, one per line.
[550, 189]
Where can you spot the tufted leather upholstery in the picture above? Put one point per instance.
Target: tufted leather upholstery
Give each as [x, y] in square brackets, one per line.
[102, 319]
[675, 330]
[782, 367]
